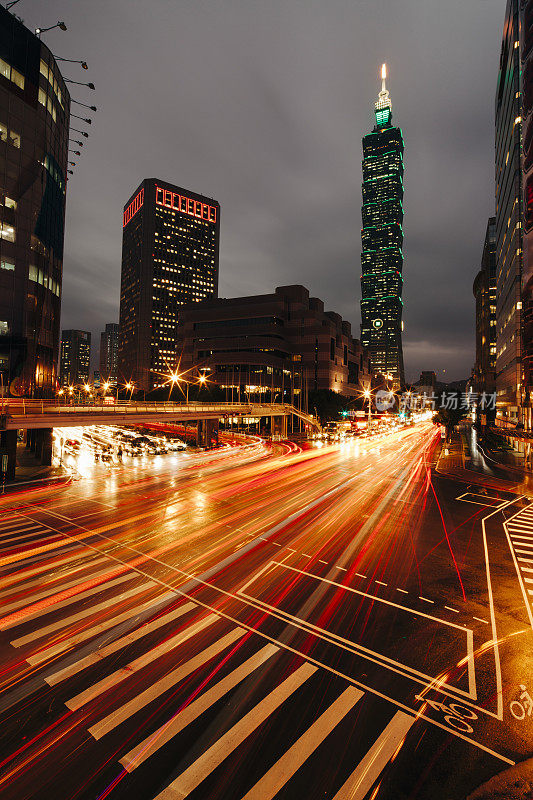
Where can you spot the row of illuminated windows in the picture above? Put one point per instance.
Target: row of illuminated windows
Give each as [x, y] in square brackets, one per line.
[11, 74]
[46, 101]
[194, 208]
[9, 136]
[38, 276]
[48, 74]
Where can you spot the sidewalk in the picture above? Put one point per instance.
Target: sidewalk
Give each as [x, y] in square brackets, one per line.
[455, 462]
[29, 473]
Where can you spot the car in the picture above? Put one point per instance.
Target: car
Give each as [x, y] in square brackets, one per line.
[176, 444]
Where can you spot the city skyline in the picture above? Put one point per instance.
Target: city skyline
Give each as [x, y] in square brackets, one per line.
[277, 142]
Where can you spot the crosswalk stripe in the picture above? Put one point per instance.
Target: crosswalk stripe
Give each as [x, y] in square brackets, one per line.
[33, 534]
[158, 688]
[37, 551]
[34, 598]
[179, 722]
[4, 625]
[22, 529]
[134, 666]
[16, 524]
[371, 766]
[522, 536]
[228, 743]
[523, 552]
[64, 622]
[526, 560]
[118, 644]
[23, 576]
[278, 775]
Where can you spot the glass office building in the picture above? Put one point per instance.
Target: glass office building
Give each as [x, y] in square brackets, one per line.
[382, 240]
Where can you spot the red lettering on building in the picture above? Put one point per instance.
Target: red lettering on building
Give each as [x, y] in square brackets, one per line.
[186, 205]
[133, 207]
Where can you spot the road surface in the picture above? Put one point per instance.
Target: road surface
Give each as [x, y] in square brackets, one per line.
[265, 622]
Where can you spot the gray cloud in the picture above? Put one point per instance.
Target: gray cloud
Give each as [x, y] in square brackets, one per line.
[263, 106]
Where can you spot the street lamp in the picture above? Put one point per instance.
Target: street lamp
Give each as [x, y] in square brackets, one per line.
[83, 119]
[60, 25]
[90, 85]
[368, 396]
[83, 133]
[92, 108]
[72, 61]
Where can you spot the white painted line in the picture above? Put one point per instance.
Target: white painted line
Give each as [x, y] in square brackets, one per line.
[403, 591]
[523, 552]
[21, 579]
[102, 587]
[276, 543]
[376, 759]
[134, 666]
[158, 688]
[322, 562]
[292, 550]
[359, 575]
[526, 569]
[118, 644]
[228, 743]
[425, 599]
[42, 540]
[305, 555]
[381, 583]
[343, 568]
[526, 560]
[34, 598]
[179, 721]
[277, 776]
[449, 608]
[107, 604]
[484, 621]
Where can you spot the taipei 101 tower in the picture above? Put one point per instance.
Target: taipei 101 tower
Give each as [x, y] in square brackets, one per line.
[382, 240]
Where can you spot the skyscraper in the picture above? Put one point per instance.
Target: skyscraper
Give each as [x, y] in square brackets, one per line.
[109, 353]
[382, 239]
[508, 180]
[526, 57]
[170, 248]
[484, 375]
[34, 131]
[75, 357]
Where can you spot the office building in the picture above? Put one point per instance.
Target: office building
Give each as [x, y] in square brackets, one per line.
[526, 58]
[382, 240]
[508, 180]
[34, 131]
[170, 249]
[109, 353]
[484, 373]
[277, 346]
[75, 357]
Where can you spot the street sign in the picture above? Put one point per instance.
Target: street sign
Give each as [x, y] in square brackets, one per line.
[3, 467]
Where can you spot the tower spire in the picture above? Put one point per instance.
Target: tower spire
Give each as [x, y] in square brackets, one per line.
[383, 106]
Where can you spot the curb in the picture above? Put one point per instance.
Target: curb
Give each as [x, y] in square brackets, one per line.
[514, 783]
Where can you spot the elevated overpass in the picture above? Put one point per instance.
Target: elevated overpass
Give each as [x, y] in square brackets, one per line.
[41, 416]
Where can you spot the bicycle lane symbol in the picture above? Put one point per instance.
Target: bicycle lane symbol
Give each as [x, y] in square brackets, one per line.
[519, 708]
[457, 716]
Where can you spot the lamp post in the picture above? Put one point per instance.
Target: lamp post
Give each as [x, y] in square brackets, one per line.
[368, 396]
[61, 25]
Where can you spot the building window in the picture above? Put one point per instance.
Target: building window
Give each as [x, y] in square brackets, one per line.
[7, 265]
[4, 328]
[7, 232]
[11, 74]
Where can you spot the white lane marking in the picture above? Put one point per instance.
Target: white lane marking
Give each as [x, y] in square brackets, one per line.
[343, 568]
[64, 622]
[403, 591]
[527, 560]
[305, 555]
[102, 587]
[359, 575]
[158, 688]
[521, 537]
[425, 599]
[524, 552]
[228, 743]
[179, 722]
[381, 583]
[121, 674]
[34, 598]
[118, 644]
[376, 759]
[278, 775]
[484, 621]
[322, 562]
[25, 533]
[526, 569]
[22, 579]
[449, 608]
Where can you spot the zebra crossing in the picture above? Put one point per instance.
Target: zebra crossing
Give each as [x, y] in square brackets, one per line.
[166, 665]
[519, 530]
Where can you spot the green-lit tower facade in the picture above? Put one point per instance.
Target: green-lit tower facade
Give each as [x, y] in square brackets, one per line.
[382, 240]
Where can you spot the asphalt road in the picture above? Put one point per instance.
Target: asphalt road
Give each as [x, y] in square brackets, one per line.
[265, 622]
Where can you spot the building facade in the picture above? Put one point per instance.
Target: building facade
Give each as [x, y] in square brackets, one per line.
[34, 126]
[170, 249]
[276, 346]
[508, 179]
[109, 353]
[382, 240]
[75, 357]
[484, 373]
[526, 60]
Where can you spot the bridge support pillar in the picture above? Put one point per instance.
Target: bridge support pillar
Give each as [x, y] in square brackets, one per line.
[278, 426]
[8, 446]
[38, 443]
[207, 430]
[46, 446]
[31, 439]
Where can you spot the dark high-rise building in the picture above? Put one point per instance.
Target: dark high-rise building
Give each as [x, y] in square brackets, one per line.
[526, 57]
[75, 357]
[382, 240]
[484, 375]
[508, 179]
[170, 248]
[109, 353]
[34, 125]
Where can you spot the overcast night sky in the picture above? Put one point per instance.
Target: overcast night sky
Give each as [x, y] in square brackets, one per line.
[262, 105]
